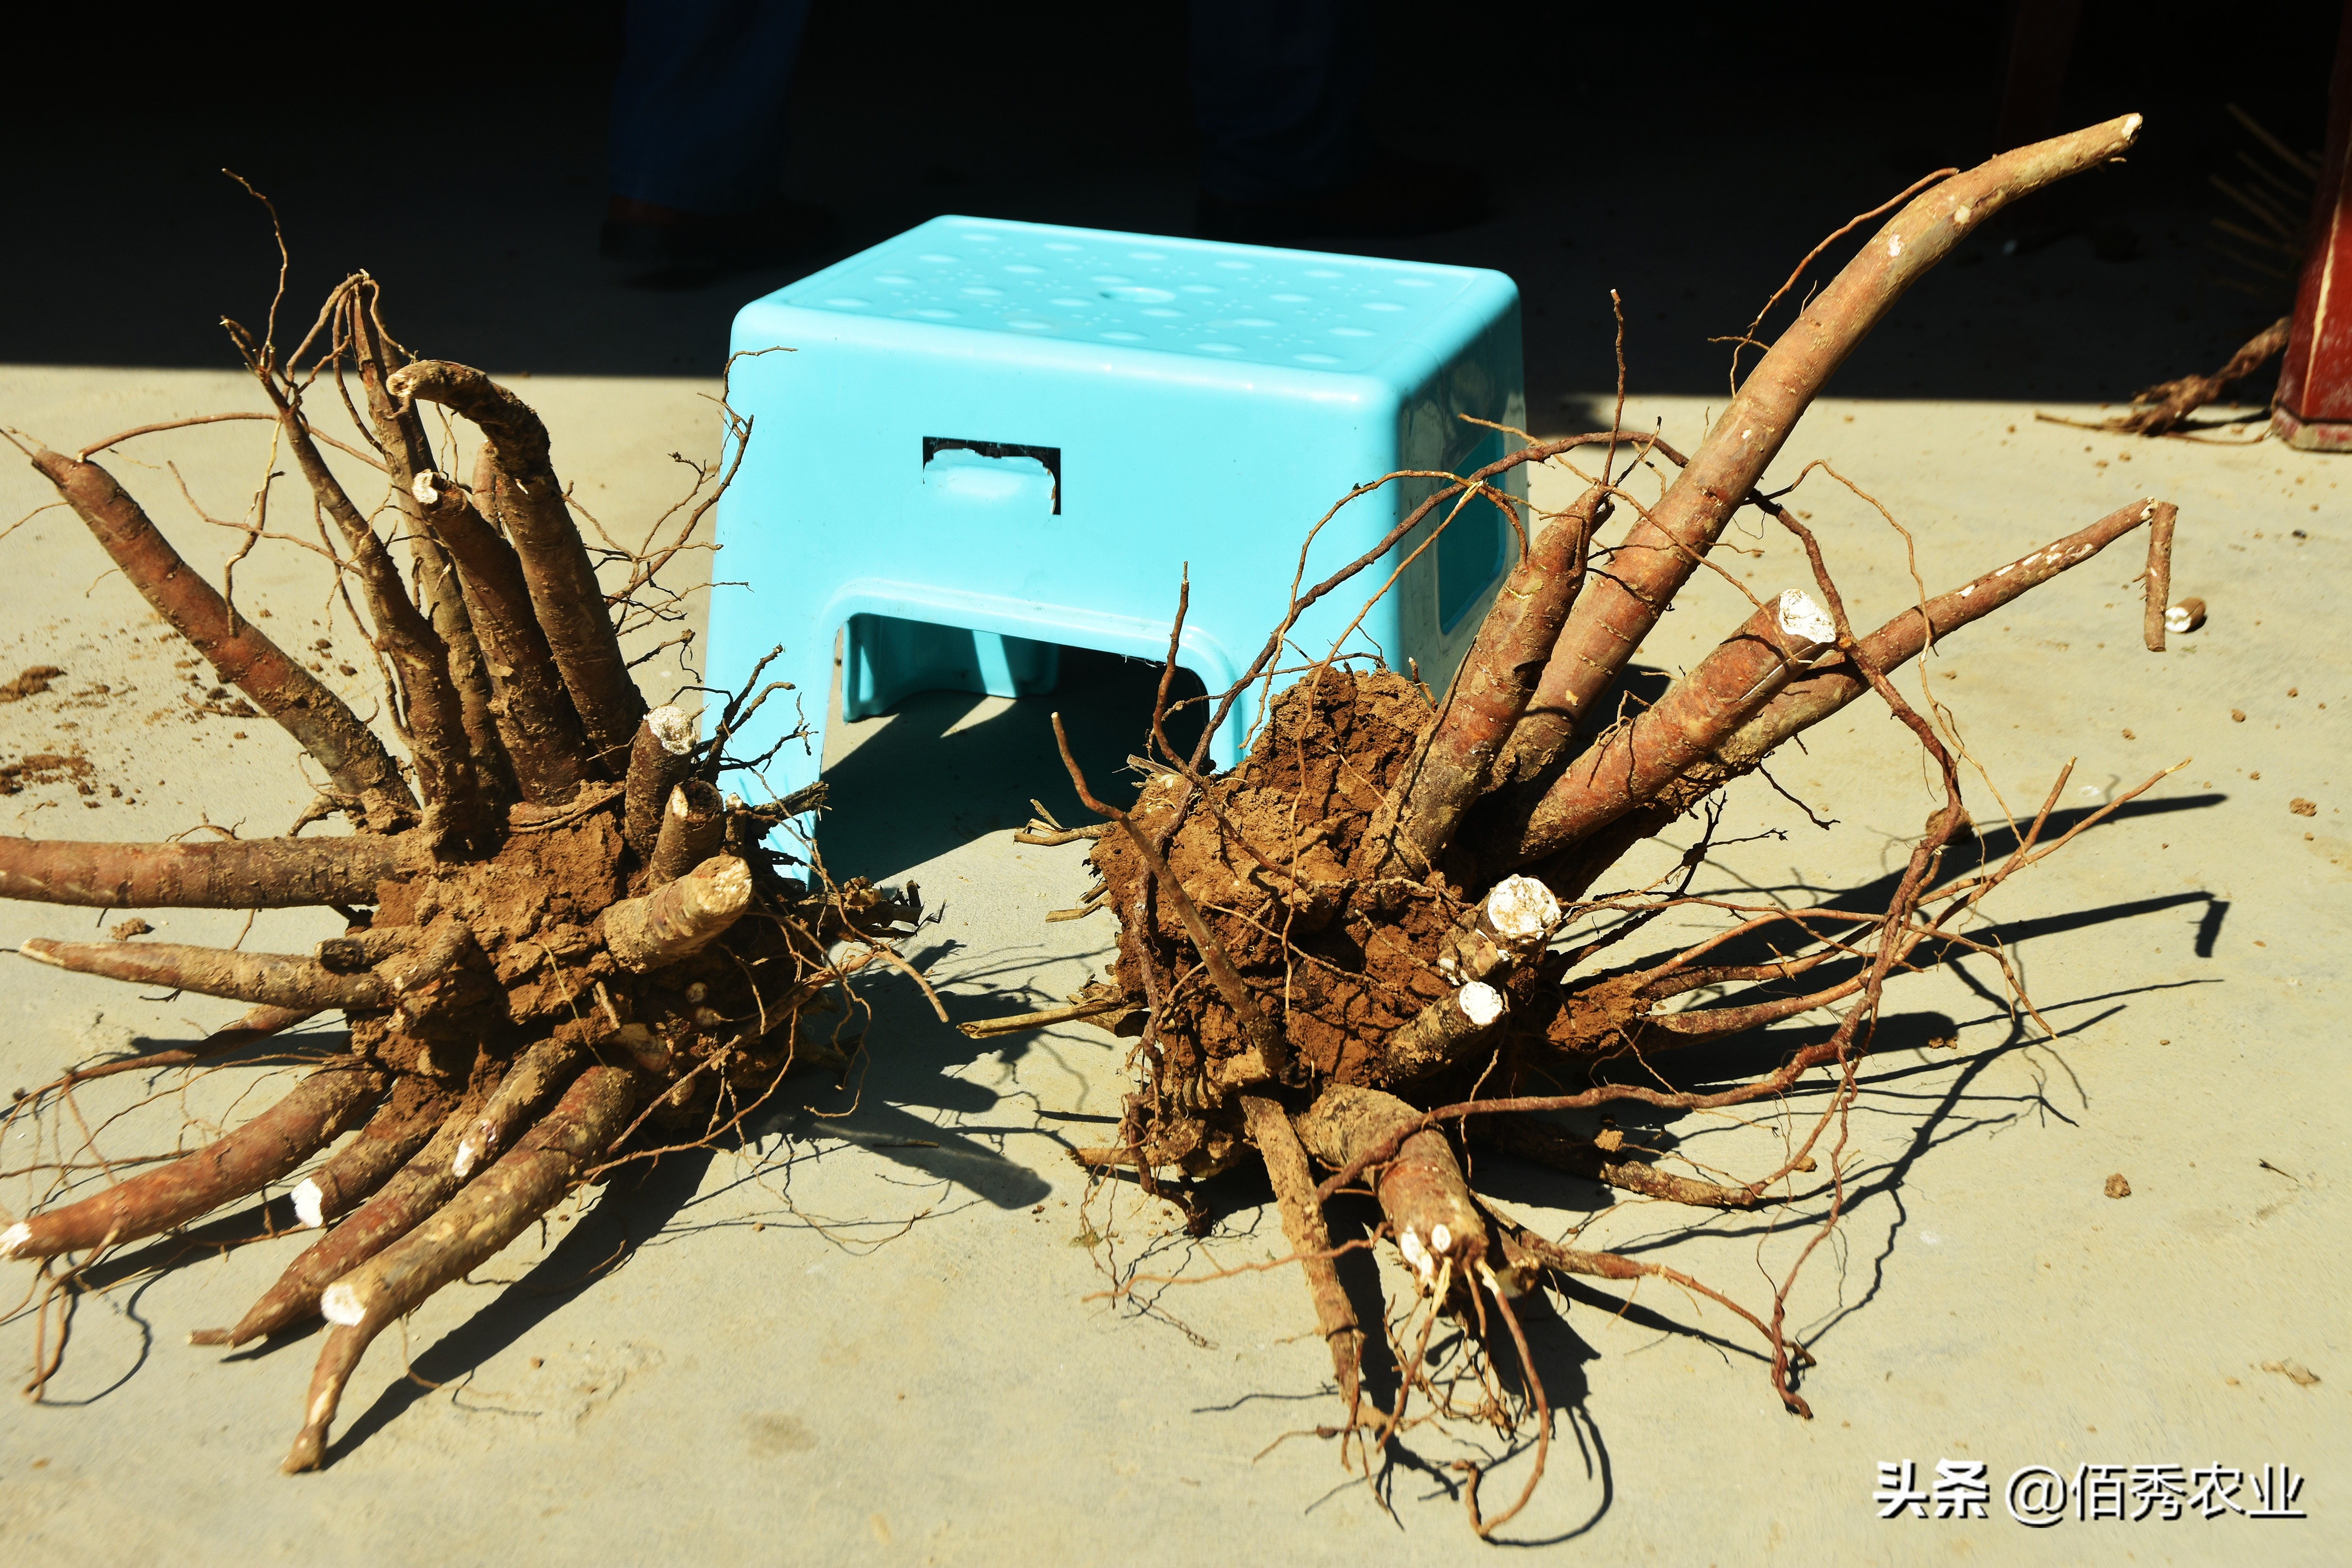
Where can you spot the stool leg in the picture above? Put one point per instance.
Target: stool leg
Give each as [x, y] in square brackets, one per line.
[1016, 667]
[886, 658]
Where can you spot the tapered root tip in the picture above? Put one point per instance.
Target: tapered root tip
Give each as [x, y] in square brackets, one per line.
[41, 950]
[673, 728]
[310, 1204]
[14, 1236]
[209, 1336]
[307, 1450]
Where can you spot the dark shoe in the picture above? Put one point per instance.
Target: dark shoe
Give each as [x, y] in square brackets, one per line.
[682, 250]
[1395, 195]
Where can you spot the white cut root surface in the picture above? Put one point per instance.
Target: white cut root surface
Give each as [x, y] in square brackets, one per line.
[673, 728]
[1522, 908]
[1799, 617]
[1482, 1004]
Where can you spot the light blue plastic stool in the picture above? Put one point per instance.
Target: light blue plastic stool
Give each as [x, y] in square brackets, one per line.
[991, 440]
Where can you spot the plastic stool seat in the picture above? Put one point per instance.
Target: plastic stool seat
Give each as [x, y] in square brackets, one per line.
[993, 440]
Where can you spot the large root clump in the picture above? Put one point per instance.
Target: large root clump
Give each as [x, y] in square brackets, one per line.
[563, 944]
[1349, 954]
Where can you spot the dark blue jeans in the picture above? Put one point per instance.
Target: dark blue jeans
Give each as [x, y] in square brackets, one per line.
[699, 107]
[1277, 90]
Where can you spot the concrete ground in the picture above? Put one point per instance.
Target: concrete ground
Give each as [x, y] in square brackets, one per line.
[879, 1332]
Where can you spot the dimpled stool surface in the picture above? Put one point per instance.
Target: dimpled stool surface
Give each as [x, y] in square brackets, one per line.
[993, 440]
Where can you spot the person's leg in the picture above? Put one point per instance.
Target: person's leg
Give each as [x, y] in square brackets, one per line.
[699, 107]
[1277, 93]
[698, 140]
[1277, 88]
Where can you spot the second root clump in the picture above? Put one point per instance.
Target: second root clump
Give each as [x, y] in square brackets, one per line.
[1346, 960]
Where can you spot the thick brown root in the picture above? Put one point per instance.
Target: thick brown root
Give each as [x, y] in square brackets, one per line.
[456, 1149]
[443, 598]
[680, 919]
[1422, 1189]
[2156, 592]
[1458, 748]
[239, 651]
[565, 594]
[239, 874]
[1665, 548]
[1509, 927]
[446, 774]
[1440, 1035]
[395, 1132]
[246, 1160]
[535, 719]
[658, 759]
[530, 1083]
[404, 1203]
[1829, 685]
[520, 1188]
[1309, 1237]
[693, 825]
[1697, 714]
[273, 978]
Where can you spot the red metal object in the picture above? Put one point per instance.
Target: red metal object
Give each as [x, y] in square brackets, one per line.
[2314, 407]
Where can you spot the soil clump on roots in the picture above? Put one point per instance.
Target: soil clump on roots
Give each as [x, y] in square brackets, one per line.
[1349, 960]
[565, 949]
[1333, 746]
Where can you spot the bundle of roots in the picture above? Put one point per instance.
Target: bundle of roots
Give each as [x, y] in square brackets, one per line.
[1350, 951]
[565, 947]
